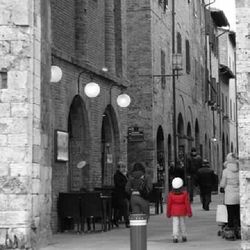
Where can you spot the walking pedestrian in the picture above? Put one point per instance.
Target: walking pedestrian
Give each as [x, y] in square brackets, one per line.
[178, 207]
[120, 196]
[205, 180]
[230, 184]
[194, 162]
[139, 187]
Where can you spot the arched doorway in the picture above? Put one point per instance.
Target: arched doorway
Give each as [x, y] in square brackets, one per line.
[110, 146]
[189, 135]
[79, 145]
[160, 157]
[181, 140]
[197, 137]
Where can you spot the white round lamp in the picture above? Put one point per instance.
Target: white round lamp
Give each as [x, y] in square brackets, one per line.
[56, 74]
[123, 100]
[92, 89]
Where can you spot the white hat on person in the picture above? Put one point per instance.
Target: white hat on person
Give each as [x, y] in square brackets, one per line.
[177, 183]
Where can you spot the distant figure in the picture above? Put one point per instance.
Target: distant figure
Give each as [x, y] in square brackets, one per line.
[205, 180]
[138, 187]
[230, 184]
[194, 162]
[178, 207]
[120, 196]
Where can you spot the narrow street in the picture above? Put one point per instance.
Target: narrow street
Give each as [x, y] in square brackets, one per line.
[202, 234]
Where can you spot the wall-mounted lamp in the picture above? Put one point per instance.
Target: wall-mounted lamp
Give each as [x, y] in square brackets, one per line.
[55, 74]
[213, 139]
[123, 100]
[91, 89]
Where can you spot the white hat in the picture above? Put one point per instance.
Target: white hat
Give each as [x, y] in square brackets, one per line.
[177, 183]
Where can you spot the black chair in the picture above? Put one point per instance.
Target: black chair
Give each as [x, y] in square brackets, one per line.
[91, 209]
[69, 209]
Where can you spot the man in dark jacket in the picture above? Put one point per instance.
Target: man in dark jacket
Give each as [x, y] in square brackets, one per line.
[120, 196]
[194, 162]
[205, 180]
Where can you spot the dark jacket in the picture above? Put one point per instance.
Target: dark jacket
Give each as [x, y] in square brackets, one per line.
[194, 163]
[138, 181]
[205, 178]
[120, 181]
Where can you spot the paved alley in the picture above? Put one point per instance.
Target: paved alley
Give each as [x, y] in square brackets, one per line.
[202, 234]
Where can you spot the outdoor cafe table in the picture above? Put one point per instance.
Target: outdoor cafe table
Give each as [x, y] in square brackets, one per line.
[82, 205]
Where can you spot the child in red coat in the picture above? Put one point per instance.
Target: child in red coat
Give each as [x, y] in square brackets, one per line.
[178, 207]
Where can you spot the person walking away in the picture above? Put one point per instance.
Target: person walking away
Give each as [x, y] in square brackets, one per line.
[139, 187]
[230, 184]
[194, 162]
[178, 207]
[120, 196]
[205, 180]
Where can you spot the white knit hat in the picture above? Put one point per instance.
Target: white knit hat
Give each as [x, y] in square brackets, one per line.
[177, 183]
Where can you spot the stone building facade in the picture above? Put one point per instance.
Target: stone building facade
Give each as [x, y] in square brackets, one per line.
[150, 55]
[81, 37]
[242, 69]
[136, 41]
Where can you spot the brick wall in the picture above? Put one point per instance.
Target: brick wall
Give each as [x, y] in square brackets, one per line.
[89, 54]
[149, 32]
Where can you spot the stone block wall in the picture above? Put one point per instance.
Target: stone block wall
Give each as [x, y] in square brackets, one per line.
[243, 99]
[20, 130]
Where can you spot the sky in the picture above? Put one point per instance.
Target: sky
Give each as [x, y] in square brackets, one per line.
[228, 7]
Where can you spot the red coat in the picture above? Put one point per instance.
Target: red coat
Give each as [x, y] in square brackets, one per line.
[178, 204]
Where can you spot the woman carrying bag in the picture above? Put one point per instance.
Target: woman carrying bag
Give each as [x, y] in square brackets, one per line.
[230, 184]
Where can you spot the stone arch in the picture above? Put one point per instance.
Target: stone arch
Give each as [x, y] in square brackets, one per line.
[110, 149]
[181, 137]
[79, 145]
[191, 116]
[189, 136]
[160, 156]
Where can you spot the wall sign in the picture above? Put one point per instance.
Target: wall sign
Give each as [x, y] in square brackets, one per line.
[61, 145]
[135, 134]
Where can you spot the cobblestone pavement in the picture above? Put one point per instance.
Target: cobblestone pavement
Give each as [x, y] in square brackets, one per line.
[202, 234]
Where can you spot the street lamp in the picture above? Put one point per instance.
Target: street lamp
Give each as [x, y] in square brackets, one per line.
[123, 100]
[55, 74]
[92, 89]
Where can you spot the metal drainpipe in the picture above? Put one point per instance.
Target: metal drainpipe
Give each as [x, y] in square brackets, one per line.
[173, 83]
[236, 106]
